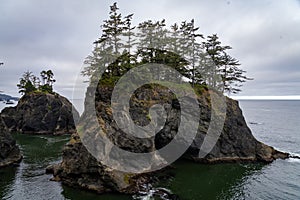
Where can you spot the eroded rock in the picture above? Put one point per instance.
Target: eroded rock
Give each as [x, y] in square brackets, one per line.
[9, 151]
[80, 169]
[41, 113]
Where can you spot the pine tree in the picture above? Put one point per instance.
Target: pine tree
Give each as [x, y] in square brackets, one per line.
[129, 33]
[112, 30]
[127, 56]
[190, 46]
[232, 75]
[153, 42]
[174, 39]
[151, 35]
[223, 65]
[215, 52]
[36, 81]
[31, 83]
[180, 47]
[25, 85]
[109, 47]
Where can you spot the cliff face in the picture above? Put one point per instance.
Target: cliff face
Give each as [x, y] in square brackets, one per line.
[80, 169]
[235, 144]
[9, 151]
[40, 113]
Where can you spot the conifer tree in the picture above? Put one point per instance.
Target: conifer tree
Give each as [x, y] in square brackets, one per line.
[190, 45]
[225, 66]
[129, 33]
[31, 83]
[25, 85]
[215, 52]
[232, 75]
[112, 29]
[179, 46]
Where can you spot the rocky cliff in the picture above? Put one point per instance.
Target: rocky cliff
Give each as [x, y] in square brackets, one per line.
[9, 151]
[41, 113]
[235, 144]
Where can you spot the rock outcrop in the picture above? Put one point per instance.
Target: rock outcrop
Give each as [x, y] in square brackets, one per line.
[235, 144]
[9, 151]
[41, 113]
[80, 169]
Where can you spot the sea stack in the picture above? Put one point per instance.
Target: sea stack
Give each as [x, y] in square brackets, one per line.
[41, 113]
[235, 144]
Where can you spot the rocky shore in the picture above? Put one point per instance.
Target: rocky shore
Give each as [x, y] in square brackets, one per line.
[41, 113]
[80, 169]
[9, 151]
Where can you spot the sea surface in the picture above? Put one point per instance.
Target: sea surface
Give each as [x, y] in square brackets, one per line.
[276, 123]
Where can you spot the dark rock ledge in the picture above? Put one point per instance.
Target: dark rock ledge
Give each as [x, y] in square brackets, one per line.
[9, 151]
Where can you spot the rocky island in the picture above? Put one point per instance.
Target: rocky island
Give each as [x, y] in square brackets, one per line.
[41, 113]
[40, 110]
[170, 54]
[235, 144]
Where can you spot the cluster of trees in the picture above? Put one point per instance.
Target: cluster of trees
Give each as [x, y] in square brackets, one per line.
[31, 83]
[201, 60]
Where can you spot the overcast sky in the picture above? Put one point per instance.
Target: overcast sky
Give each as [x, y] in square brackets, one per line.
[58, 35]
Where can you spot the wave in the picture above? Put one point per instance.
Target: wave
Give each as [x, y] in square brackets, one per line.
[294, 160]
[295, 154]
[294, 157]
[256, 123]
[266, 110]
[150, 193]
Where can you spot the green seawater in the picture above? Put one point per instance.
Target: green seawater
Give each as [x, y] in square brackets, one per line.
[200, 181]
[29, 181]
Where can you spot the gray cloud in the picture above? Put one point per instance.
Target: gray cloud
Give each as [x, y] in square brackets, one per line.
[37, 35]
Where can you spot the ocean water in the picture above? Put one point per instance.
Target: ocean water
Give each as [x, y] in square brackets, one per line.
[276, 123]
[273, 122]
[3, 105]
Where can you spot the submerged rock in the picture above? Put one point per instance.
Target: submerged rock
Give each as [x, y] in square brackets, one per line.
[80, 169]
[41, 113]
[9, 151]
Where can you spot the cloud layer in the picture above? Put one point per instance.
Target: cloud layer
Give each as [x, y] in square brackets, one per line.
[37, 35]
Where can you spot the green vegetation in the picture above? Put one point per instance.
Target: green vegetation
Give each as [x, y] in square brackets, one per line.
[200, 60]
[30, 83]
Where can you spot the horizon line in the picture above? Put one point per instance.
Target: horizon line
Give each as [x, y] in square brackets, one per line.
[273, 97]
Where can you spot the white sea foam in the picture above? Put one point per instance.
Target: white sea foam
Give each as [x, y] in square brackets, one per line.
[294, 160]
